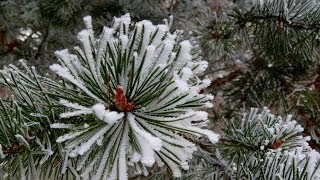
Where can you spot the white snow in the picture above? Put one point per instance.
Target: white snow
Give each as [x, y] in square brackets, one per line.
[182, 85]
[124, 42]
[61, 126]
[147, 152]
[87, 41]
[71, 105]
[154, 142]
[68, 136]
[186, 73]
[2, 156]
[158, 137]
[65, 73]
[161, 31]
[88, 22]
[136, 157]
[104, 38]
[107, 116]
[168, 45]
[125, 20]
[87, 145]
[122, 155]
[184, 55]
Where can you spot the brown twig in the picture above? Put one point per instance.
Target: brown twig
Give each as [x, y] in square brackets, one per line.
[218, 83]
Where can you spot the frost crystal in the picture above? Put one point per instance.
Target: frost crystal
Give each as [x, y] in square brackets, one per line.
[138, 94]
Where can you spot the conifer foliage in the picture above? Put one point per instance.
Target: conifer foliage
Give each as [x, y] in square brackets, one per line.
[130, 100]
[275, 44]
[141, 86]
[261, 145]
[129, 97]
[275, 148]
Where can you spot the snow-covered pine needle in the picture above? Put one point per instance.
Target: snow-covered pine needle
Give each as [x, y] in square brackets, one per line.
[138, 90]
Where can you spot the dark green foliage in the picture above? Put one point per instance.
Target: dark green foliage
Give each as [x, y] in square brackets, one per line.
[280, 41]
[310, 104]
[55, 22]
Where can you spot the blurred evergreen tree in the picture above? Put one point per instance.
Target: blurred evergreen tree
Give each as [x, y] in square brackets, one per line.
[34, 29]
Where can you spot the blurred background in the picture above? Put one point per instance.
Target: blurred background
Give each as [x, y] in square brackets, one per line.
[34, 29]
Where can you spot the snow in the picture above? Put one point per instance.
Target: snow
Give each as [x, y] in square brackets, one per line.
[204, 84]
[107, 116]
[161, 30]
[165, 53]
[87, 41]
[68, 136]
[208, 105]
[314, 158]
[261, 2]
[74, 113]
[213, 137]
[210, 96]
[200, 116]
[289, 117]
[89, 168]
[65, 73]
[63, 54]
[177, 153]
[88, 22]
[149, 54]
[87, 145]
[80, 109]
[104, 159]
[149, 28]
[61, 126]
[113, 174]
[65, 162]
[83, 36]
[184, 55]
[71, 105]
[149, 60]
[136, 157]
[182, 85]
[186, 73]
[173, 56]
[124, 42]
[154, 142]
[168, 22]
[122, 156]
[104, 38]
[125, 19]
[147, 152]
[69, 60]
[2, 156]
[159, 161]
[158, 137]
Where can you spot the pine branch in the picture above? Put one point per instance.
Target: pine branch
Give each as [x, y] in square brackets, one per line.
[18, 147]
[281, 39]
[220, 82]
[243, 19]
[130, 96]
[263, 146]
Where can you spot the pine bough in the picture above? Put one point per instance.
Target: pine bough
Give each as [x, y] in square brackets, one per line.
[127, 100]
[130, 100]
[263, 146]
